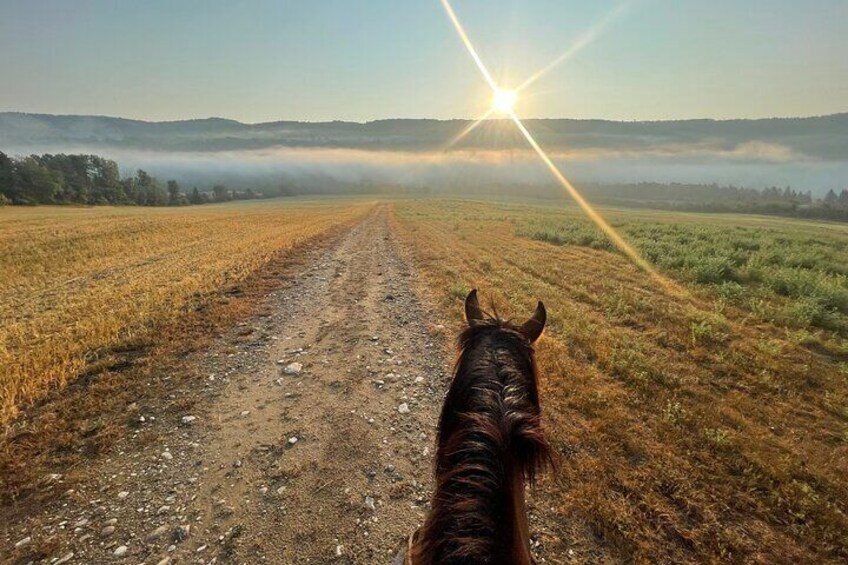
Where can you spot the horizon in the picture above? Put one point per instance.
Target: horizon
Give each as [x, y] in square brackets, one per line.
[388, 119]
[262, 61]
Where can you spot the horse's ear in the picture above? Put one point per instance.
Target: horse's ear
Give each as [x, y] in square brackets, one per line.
[533, 327]
[473, 313]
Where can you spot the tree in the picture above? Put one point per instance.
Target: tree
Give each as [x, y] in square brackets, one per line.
[76, 176]
[7, 176]
[220, 193]
[830, 199]
[789, 195]
[148, 191]
[173, 193]
[106, 182]
[195, 196]
[842, 202]
[129, 188]
[36, 184]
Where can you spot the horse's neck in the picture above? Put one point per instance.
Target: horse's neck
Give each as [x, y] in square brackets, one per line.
[515, 532]
[505, 535]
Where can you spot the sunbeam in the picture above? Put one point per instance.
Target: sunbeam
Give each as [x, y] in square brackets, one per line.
[608, 230]
[471, 127]
[504, 104]
[469, 46]
[585, 39]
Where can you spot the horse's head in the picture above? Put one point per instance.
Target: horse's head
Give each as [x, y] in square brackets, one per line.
[531, 329]
[490, 345]
[497, 356]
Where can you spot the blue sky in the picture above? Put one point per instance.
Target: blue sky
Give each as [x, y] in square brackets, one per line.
[262, 60]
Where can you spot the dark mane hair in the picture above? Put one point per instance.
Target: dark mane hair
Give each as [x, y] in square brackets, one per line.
[490, 442]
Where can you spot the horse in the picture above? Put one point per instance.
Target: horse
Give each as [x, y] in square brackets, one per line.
[489, 444]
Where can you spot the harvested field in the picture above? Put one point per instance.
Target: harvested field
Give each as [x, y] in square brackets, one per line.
[79, 283]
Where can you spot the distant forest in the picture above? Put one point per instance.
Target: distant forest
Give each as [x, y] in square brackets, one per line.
[713, 198]
[821, 137]
[94, 180]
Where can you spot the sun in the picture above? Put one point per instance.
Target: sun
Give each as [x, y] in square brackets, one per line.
[503, 100]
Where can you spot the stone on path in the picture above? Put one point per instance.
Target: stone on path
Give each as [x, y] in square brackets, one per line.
[293, 368]
[369, 504]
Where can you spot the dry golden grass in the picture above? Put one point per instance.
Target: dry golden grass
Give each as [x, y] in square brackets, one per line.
[78, 284]
[688, 430]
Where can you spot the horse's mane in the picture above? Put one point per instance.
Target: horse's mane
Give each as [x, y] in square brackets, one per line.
[489, 443]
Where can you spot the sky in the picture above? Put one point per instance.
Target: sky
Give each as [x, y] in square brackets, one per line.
[358, 60]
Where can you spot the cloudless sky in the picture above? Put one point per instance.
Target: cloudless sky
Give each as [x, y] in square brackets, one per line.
[263, 60]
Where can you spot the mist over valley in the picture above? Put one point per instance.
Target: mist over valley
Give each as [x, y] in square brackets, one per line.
[808, 154]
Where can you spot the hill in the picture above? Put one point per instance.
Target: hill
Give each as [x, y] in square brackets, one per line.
[821, 138]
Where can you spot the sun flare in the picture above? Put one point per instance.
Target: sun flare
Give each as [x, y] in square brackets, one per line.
[503, 100]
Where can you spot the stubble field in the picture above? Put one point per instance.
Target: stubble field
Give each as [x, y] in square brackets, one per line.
[705, 425]
[81, 284]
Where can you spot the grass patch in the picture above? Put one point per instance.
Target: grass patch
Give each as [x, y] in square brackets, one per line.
[779, 263]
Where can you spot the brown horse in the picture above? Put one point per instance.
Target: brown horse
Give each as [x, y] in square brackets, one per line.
[489, 444]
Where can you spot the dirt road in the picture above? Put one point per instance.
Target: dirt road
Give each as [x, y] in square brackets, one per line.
[313, 444]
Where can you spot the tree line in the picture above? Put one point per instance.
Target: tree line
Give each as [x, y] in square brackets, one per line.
[714, 198]
[92, 180]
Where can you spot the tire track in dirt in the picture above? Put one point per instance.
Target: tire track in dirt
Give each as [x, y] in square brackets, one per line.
[332, 464]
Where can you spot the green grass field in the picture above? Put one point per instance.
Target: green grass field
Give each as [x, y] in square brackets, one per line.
[793, 273]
